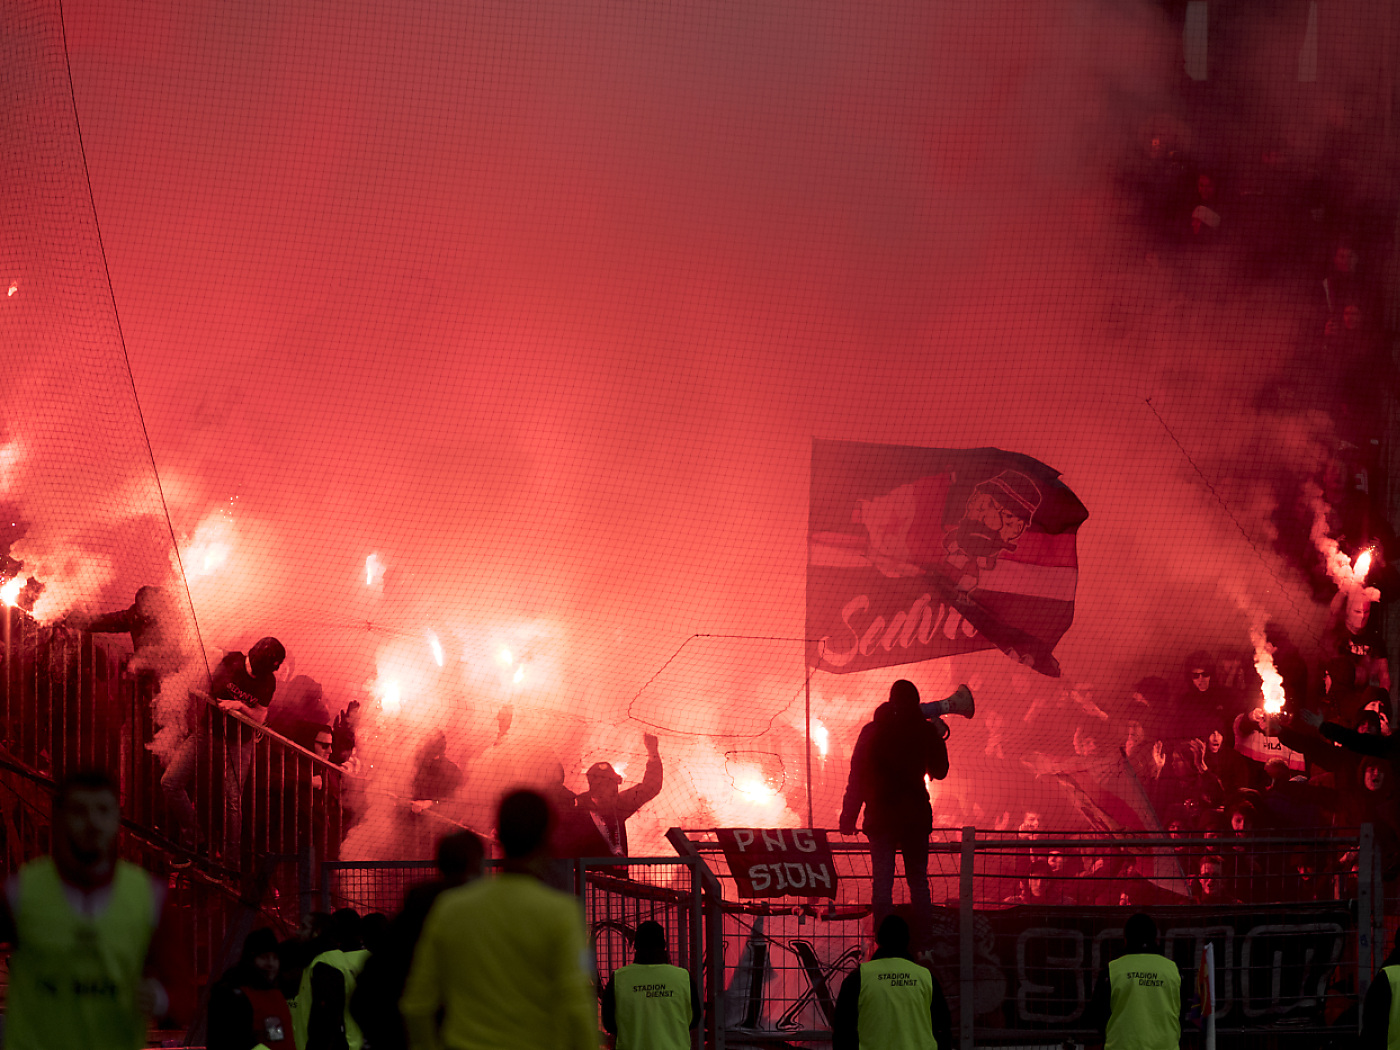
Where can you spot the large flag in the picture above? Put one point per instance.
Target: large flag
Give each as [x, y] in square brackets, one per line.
[919, 553]
[1110, 798]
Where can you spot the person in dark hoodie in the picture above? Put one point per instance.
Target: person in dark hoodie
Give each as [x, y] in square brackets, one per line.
[246, 1007]
[375, 1003]
[895, 751]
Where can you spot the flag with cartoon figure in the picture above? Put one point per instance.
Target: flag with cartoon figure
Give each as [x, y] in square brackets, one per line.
[920, 553]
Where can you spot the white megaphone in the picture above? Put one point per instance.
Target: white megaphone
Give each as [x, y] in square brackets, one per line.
[960, 703]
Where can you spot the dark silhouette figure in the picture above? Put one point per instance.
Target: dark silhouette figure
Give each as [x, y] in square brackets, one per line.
[892, 981]
[893, 754]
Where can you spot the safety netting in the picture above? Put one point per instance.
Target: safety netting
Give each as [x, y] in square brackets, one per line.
[545, 376]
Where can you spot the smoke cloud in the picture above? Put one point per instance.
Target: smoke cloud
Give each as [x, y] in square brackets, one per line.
[516, 327]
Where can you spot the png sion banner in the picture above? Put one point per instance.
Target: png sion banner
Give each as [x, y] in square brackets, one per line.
[920, 553]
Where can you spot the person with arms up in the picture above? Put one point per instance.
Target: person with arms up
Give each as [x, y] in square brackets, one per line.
[894, 752]
[650, 1004]
[1137, 1001]
[92, 956]
[891, 1002]
[506, 960]
[602, 810]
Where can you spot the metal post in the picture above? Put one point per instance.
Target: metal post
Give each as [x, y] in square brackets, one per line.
[810, 822]
[697, 956]
[966, 974]
[1365, 919]
[716, 946]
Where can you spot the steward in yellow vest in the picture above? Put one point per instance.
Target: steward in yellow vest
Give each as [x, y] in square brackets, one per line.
[84, 925]
[651, 1005]
[1380, 1012]
[891, 1002]
[329, 982]
[1137, 1002]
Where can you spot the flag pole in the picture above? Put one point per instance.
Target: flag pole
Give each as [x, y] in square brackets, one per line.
[808, 684]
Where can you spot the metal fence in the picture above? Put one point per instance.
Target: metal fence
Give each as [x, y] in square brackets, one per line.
[617, 898]
[1021, 929]
[232, 791]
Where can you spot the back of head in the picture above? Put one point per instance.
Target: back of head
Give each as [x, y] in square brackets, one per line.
[1140, 933]
[904, 695]
[522, 823]
[460, 856]
[892, 938]
[649, 943]
[374, 929]
[345, 929]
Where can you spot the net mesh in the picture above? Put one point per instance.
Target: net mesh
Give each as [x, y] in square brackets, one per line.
[480, 350]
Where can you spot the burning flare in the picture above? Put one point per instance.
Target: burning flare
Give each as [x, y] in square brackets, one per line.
[436, 646]
[391, 700]
[374, 570]
[9, 593]
[821, 737]
[1268, 673]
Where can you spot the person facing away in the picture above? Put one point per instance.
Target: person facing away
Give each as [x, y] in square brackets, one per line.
[650, 1004]
[893, 754]
[92, 954]
[891, 1002]
[329, 984]
[506, 960]
[1380, 1025]
[247, 1009]
[1137, 1001]
[375, 1005]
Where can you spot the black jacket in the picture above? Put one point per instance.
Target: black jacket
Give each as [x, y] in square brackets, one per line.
[893, 754]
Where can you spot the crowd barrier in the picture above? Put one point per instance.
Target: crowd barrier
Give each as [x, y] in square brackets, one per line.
[1295, 922]
[232, 792]
[1291, 960]
[617, 897]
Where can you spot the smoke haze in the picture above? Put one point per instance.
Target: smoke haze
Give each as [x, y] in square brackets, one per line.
[543, 305]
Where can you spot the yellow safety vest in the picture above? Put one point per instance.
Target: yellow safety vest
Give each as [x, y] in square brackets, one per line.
[896, 996]
[1145, 991]
[349, 964]
[653, 1007]
[1392, 1032]
[74, 980]
[299, 1006]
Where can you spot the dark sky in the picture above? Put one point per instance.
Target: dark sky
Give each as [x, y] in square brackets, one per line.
[544, 303]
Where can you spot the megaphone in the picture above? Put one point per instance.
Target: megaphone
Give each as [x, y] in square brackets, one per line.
[960, 703]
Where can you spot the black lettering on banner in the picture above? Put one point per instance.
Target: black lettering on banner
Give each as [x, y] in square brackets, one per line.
[818, 988]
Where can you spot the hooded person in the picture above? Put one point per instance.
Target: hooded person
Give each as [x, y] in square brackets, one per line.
[893, 754]
[239, 686]
[1206, 705]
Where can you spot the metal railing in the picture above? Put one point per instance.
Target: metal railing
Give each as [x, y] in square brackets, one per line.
[1296, 923]
[232, 790]
[617, 897]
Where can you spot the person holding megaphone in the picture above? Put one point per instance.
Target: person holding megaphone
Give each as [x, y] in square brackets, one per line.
[896, 750]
